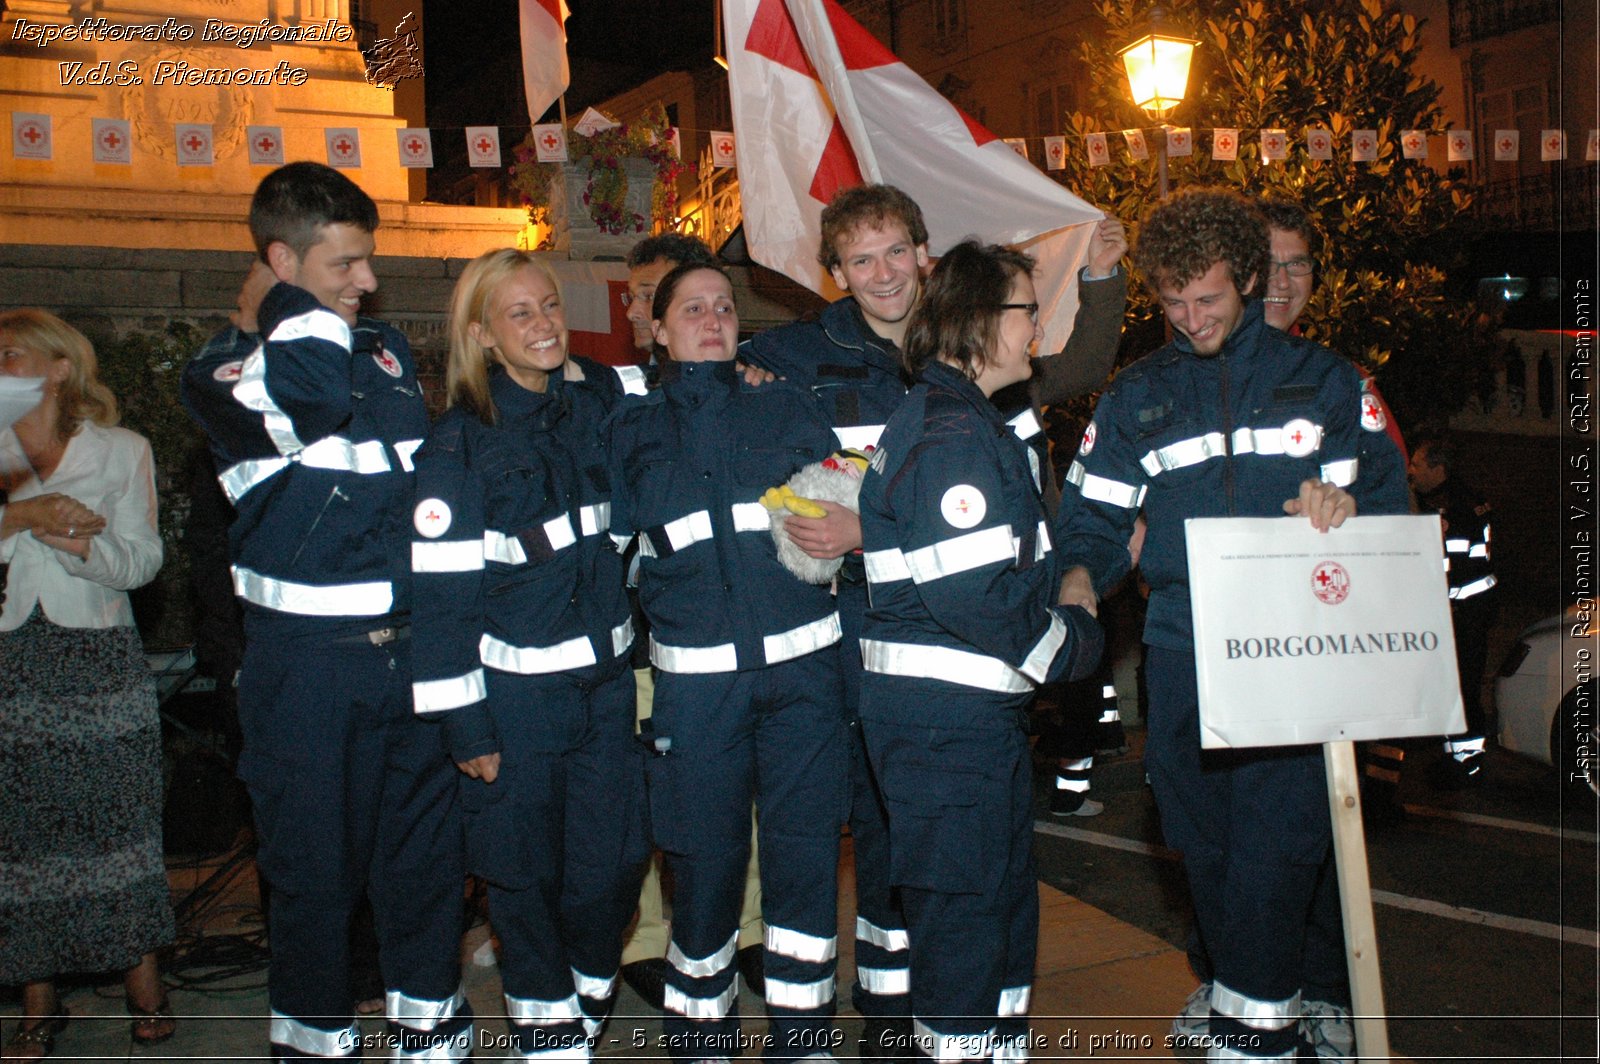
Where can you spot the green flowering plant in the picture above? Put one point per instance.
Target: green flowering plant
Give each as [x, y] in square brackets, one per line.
[605, 193]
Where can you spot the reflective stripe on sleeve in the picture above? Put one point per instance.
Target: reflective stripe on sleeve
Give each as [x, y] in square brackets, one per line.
[751, 517]
[541, 1013]
[1014, 1001]
[884, 981]
[1036, 666]
[594, 518]
[536, 661]
[719, 658]
[1340, 474]
[405, 450]
[702, 967]
[1102, 489]
[943, 663]
[801, 946]
[893, 940]
[240, 477]
[698, 1008]
[797, 642]
[1457, 546]
[1182, 453]
[318, 324]
[370, 599]
[337, 453]
[286, 1031]
[1025, 426]
[622, 638]
[677, 534]
[499, 547]
[251, 393]
[960, 554]
[1476, 587]
[724, 657]
[633, 380]
[1479, 550]
[436, 696]
[446, 556]
[558, 530]
[592, 986]
[858, 437]
[421, 1014]
[885, 566]
[1254, 1012]
[783, 994]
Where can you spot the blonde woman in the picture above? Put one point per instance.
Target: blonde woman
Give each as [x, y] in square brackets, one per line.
[522, 643]
[84, 887]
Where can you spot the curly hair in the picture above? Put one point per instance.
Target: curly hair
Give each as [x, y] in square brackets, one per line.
[676, 248]
[1196, 229]
[466, 374]
[1291, 218]
[870, 205]
[81, 396]
[958, 317]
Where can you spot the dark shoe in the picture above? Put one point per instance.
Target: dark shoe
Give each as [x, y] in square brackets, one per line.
[41, 1035]
[1449, 774]
[886, 1039]
[752, 962]
[648, 978]
[1071, 803]
[151, 1027]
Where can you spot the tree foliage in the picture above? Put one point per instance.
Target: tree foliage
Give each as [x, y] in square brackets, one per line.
[1390, 228]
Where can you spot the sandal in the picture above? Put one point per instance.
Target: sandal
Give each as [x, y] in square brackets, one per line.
[42, 1034]
[151, 1027]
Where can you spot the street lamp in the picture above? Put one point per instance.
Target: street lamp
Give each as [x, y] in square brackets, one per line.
[1158, 74]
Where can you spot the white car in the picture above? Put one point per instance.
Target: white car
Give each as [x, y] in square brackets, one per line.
[1545, 695]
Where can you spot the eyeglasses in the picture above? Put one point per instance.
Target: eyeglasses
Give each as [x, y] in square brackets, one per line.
[1301, 267]
[1031, 308]
[629, 299]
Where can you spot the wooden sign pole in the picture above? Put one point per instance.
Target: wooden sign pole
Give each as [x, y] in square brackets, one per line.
[1355, 899]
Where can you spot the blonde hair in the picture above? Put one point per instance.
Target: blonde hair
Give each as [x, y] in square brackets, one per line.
[81, 396]
[466, 376]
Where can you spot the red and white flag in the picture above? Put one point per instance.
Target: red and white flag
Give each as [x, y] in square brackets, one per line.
[545, 74]
[1138, 151]
[724, 150]
[1274, 145]
[483, 146]
[113, 141]
[1363, 145]
[1507, 143]
[30, 136]
[1018, 145]
[1458, 146]
[1225, 144]
[1319, 143]
[819, 105]
[1180, 142]
[1055, 153]
[344, 147]
[265, 145]
[1414, 143]
[550, 142]
[1552, 145]
[1099, 152]
[195, 146]
[416, 147]
[675, 141]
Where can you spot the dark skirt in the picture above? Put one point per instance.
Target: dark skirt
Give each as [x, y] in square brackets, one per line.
[82, 884]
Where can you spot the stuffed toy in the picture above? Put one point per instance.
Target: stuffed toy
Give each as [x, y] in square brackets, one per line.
[836, 478]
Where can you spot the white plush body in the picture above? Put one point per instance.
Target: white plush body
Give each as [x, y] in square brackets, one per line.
[829, 481]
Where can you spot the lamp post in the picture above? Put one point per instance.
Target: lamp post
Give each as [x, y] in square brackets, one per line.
[1157, 65]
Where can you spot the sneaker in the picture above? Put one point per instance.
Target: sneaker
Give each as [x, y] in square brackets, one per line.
[648, 978]
[1192, 1024]
[1070, 803]
[1329, 1029]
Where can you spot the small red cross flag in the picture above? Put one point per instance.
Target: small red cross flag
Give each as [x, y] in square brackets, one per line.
[1055, 153]
[194, 144]
[591, 122]
[1274, 145]
[1319, 143]
[1138, 150]
[483, 146]
[1507, 145]
[1552, 145]
[1363, 145]
[1458, 146]
[550, 142]
[415, 147]
[1591, 153]
[344, 147]
[675, 141]
[1180, 142]
[30, 136]
[1413, 144]
[265, 145]
[1225, 144]
[1018, 145]
[112, 141]
[723, 153]
[1099, 154]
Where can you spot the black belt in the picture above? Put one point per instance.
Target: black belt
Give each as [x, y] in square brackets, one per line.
[377, 637]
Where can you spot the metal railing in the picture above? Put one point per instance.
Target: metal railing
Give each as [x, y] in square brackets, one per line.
[1475, 20]
[1560, 198]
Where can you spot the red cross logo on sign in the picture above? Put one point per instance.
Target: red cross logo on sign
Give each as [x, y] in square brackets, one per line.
[1300, 438]
[431, 518]
[1505, 143]
[1225, 143]
[1554, 143]
[343, 146]
[1459, 143]
[110, 139]
[1414, 143]
[550, 141]
[30, 133]
[1330, 582]
[195, 143]
[1098, 147]
[1364, 144]
[1055, 151]
[1319, 142]
[414, 146]
[484, 145]
[725, 147]
[1372, 416]
[265, 145]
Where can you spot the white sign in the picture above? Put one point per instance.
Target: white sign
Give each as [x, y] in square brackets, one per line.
[416, 147]
[113, 141]
[265, 145]
[1303, 636]
[483, 146]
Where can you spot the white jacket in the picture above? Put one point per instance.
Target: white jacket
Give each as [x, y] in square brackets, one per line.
[110, 471]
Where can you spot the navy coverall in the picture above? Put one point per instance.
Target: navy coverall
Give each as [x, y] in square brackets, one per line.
[960, 631]
[313, 430]
[747, 702]
[522, 640]
[1230, 435]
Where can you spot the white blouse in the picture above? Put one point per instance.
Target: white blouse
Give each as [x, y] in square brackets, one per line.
[110, 471]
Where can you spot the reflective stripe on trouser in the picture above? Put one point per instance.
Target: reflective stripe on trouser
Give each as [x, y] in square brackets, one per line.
[1254, 832]
[346, 784]
[780, 725]
[960, 806]
[563, 869]
[883, 955]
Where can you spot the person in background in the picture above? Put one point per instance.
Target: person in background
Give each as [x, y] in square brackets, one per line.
[85, 886]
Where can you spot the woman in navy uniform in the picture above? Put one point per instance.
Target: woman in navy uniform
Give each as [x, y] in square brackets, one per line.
[748, 701]
[963, 625]
[522, 640]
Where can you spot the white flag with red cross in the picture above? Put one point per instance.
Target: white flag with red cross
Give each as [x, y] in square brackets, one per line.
[1225, 144]
[415, 147]
[1099, 151]
[1363, 145]
[819, 105]
[550, 142]
[1552, 145]
[264, 145]
[545, 74]
[1274, 145]
[1458, 146]
[1319, 143]
[675, 141]
[724, 149]
[30, 136]
[344, 147]
[1180, 142]
[1507, 145]
[195, 144]
[483, 146]
[1018, 145]
[1055, 153]
[1414, 143]
[113, 141]
[1138, 150]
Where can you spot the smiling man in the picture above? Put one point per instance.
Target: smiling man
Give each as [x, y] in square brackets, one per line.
[1234, 418]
